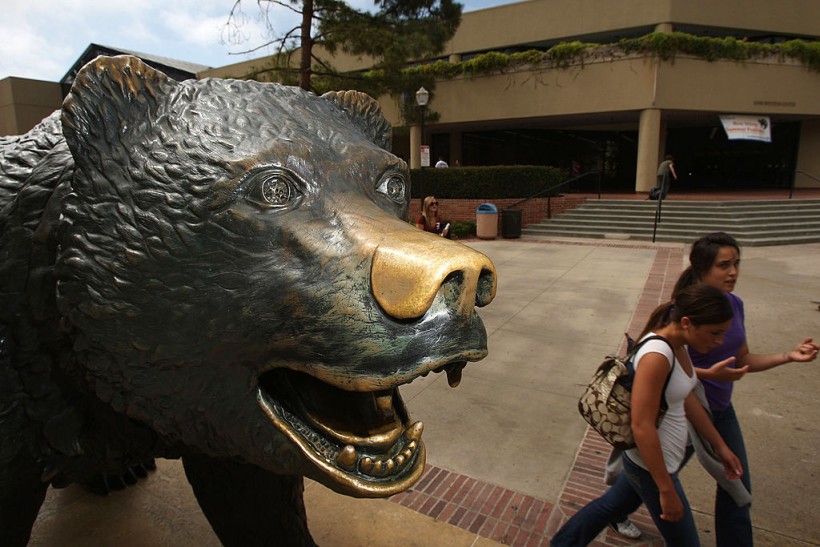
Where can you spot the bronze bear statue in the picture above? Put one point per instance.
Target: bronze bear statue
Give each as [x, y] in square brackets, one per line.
[219, 271]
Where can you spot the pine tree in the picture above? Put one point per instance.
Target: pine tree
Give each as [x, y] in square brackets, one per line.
[396, 33]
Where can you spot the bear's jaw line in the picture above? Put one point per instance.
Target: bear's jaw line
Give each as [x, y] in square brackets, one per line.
[351, 467]
[386, 458]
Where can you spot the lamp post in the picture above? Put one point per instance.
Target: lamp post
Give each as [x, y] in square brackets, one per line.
[422, 96]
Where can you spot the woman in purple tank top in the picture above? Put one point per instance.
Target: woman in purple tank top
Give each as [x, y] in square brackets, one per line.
[715, 260]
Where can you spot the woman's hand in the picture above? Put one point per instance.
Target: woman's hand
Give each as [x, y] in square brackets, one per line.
[804, 352]
[732, 467]
[671, 506]
[721, 372]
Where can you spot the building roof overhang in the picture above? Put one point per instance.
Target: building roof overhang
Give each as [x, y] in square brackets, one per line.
[174, 68]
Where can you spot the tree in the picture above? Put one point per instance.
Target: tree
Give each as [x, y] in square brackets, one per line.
[396, 33]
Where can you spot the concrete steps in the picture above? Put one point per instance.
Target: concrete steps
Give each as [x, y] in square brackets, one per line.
[755, 223]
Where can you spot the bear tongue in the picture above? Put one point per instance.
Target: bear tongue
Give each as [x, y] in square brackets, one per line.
[453, 377]
[365, 419]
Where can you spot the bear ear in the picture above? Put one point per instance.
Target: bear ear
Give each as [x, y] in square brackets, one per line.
[366, 113]
[109, 96]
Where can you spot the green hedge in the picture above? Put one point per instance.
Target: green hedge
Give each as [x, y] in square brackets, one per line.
[517, 181]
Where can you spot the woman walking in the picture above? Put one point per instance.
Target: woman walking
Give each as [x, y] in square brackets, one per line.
[715, 261]
[699, 317]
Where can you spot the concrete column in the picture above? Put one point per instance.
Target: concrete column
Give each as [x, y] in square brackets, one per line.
[649, 150]
[415, 146]
[663, 27]
[454, 58]
[661, 142]
[808, 160]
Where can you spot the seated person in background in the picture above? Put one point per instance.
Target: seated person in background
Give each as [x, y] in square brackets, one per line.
[429, 219]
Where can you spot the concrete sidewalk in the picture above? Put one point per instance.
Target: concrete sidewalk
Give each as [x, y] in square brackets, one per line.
[508, 455]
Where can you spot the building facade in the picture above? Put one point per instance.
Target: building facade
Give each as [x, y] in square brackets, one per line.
[623, 113]
[619, 113]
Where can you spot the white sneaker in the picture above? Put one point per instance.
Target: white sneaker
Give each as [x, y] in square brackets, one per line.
[626, 528]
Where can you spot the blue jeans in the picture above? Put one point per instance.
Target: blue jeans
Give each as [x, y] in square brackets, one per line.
[633, 487]
[733, 524]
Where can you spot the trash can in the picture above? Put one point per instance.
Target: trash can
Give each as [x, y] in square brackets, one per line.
[486, 221]
[511, 223]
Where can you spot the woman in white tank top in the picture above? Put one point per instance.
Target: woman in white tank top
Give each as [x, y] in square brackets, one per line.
[698, 317]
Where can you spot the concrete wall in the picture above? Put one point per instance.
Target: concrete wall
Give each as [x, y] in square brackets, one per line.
[544, 20]
[759, 87]
[24, 103]
[631, 83]
[604, 86]
[808, 156]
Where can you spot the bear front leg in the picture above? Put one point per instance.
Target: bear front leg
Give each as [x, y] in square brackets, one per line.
[247, 505]
[21, 495]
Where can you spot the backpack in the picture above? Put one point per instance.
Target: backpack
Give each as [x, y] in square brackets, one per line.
[606, 403]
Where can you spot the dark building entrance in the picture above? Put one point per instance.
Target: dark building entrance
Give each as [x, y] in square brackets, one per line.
[706, 160]
[614, 153]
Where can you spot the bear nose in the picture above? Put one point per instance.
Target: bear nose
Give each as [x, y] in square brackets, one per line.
[407, 275]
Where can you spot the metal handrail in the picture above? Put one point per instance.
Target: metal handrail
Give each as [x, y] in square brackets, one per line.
[559, 185]
[801, 172]
[664, 185]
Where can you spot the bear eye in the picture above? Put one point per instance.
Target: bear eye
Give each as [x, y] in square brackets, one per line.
[394, 187]
[272, 189]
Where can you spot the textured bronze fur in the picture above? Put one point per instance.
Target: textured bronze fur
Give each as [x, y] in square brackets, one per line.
[218, 270]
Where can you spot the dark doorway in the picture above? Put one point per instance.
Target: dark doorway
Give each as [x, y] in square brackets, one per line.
[706, 160]
[612, 152]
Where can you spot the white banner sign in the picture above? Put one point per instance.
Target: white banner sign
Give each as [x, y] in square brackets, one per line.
[752, 128]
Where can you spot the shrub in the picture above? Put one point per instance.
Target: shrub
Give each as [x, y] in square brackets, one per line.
[515, 181]
[461, 230]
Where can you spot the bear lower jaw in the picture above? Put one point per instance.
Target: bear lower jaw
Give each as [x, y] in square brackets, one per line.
[383, 459]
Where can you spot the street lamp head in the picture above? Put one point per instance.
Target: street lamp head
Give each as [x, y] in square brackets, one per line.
[422, 96]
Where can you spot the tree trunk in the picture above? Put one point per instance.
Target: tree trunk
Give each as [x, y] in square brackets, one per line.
[306, 45]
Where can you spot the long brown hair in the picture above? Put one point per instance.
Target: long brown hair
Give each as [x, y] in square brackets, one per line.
[702, 257]
[702, 304]
[425, 209]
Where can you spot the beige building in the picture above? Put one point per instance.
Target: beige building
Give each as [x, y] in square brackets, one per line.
[621, 113]
[24, 103]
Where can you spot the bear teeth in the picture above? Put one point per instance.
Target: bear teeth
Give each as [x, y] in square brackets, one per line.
[403, 451]
[349, 459]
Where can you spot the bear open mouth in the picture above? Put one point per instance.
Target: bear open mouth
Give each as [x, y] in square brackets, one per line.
[364, 440]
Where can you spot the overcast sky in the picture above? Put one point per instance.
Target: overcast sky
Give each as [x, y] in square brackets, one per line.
[41, 39]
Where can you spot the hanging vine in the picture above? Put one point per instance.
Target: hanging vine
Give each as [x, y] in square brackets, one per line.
[664, 45]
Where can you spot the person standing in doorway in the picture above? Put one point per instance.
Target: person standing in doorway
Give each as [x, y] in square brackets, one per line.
[666, 170]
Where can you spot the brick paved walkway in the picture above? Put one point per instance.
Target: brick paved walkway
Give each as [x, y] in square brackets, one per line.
[516, 519]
